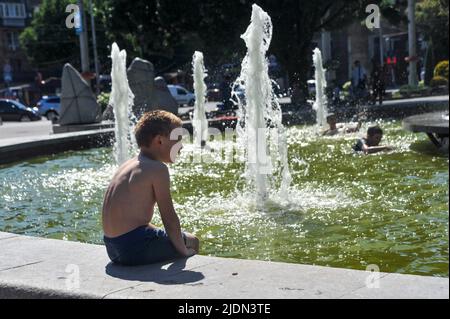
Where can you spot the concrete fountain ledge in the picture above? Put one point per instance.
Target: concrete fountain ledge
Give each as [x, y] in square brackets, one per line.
[32, 267]
[20, 148]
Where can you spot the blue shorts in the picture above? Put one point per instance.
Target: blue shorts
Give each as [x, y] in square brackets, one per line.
[141, 246]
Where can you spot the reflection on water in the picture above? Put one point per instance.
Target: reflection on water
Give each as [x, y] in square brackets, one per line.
[342, 210]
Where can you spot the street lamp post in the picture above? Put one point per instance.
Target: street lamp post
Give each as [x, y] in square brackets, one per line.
[94, 44]
[380, 34]
[412, 43]
[83, 39]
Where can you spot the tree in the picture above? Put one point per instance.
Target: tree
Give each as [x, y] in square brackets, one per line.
[432, 20]
[47, 41]
[49, 44]
[167, 32]
[295, 23]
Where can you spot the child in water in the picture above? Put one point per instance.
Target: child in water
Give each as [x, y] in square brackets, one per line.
[339, 128]
[371, 143]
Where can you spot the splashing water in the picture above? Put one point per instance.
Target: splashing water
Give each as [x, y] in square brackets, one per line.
[199, 121]
[122, 102]
[348, 210]
[320, 105]
[260, 129]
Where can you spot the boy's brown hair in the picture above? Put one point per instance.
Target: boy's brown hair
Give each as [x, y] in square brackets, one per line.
[155, 123]
[331, 117]
[374, 130]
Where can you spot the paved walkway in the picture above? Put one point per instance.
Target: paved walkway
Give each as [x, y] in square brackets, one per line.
[418, 100]
[26, 129]
[10, 130]
[43, 268]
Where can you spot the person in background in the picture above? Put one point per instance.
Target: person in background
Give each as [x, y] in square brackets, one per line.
[377, 81]
[336, 95]
[7, 73]
[359, 81]
[225, 89]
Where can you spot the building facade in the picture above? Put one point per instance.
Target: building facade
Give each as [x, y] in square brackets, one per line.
[15, 16]
[341, 48]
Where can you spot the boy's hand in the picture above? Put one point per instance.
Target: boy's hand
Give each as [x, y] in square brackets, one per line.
[190, 252]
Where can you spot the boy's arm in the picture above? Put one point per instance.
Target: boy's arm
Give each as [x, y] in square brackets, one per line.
[376, 149]
[352, 129]
[168, 215]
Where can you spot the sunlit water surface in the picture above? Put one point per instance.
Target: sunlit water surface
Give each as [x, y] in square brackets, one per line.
[343, 209]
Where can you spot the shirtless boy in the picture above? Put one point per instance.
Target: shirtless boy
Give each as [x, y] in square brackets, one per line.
[339, 128]
[371, 143]
[137, 186]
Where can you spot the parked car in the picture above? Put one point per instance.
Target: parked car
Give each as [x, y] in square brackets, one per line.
[213, 93]
[181, 95]
[239, 91]
[311, 87]
[50, 106]
[15, 111]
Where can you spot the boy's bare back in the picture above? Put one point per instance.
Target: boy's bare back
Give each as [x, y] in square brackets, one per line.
[130, 199]
[137, 186]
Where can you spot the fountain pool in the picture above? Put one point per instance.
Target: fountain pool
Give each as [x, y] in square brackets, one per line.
[343, 209]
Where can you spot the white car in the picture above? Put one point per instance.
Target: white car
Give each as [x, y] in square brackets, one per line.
[311, 87]
[181, 95]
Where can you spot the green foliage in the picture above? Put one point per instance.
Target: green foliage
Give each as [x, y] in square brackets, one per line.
[397, 95]
[103, 100]
[394, 10]
[295, 23]
[47, 41]
[441, 70]
[438, 81]
[432, 19]
[429, 62]
[408, 90]
[167, 32]
[346, 87]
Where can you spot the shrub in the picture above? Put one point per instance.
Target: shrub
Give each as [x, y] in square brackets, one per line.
[346, 86]
[438, 81]
[397, 95]
[407, 90]
[103, 100]
[441, 70]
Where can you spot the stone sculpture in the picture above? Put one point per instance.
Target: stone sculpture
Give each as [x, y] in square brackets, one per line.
[78, 102]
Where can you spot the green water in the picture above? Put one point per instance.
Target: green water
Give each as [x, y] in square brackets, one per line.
[344, 210]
